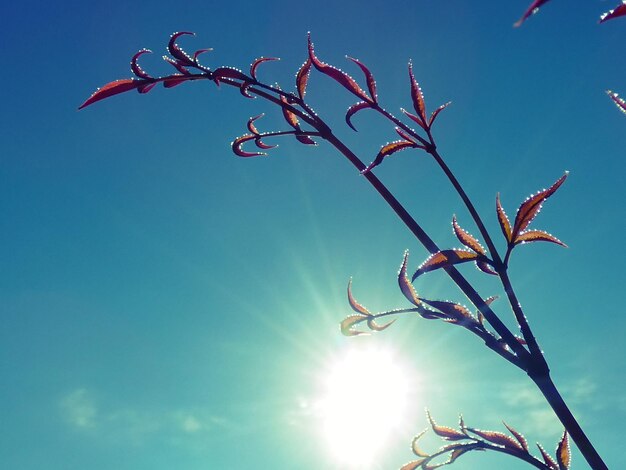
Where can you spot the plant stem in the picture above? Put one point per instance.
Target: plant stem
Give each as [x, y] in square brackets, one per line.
[552, 395]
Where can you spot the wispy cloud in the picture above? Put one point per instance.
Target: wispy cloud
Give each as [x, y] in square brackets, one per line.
[79, 409]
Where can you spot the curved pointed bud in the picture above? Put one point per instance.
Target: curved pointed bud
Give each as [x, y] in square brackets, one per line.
[443, 259]
[619, 102]
[175, 50]
[352, 110]
[620, 10]
[262, 145]
[243, 89]
[529, 209]
[387, 150]
[531, 10]
[467, 239]
[547, 459]
[485, 267]
[417, 96]
[302, 78]
[357, 307]
[339, 76]
[415, 448]
[238, 142]
[372, 325]
[371, 83]
[251, 126]
[257, 62]
[200, 51]
[112, 88]
[406, 286]
[134, 66]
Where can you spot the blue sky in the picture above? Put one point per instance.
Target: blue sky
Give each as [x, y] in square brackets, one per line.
[168, 305]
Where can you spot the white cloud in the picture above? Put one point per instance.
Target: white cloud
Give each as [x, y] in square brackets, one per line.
[80, 409]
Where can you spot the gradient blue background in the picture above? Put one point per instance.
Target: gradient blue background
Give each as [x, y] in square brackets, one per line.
[167, 305]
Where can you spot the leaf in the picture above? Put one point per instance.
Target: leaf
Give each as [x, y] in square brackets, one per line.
[531, 10]
[371, 83]
[348, 323]
[563, 453]
[339, 76]
[406, 286]
[616, 12]
[416, 450]
[302, 78]
[405, 136]
[485, 267]
[436, 112]
[238, 142]
[417, 96]
[243, 89]
[619, 102]
[355, 108]
[177, 65]
[229, 72]
[305, 139]
[112, 88]
[146, 87]
[134, 66]
[251, 126]
[290, 117]
[547, 459]
[449, 434]
[498, 438]
[413, 465]
[389, 149]
[528, 236]
[443, 259]
[454, 312]
[520, 438]
[257, 62]
[529, 209]
[460, 450]
[175, 50]
[467, 239]
[418, 120]
[505, 225]
[200, 51]
[357, 307]
[174, 80]
[372, 325]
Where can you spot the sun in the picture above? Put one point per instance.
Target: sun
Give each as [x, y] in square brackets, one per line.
[364, 400]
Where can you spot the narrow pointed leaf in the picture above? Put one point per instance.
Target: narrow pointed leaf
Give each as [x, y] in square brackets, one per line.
[251, 126]
[255, 65]
[418, 120]
[371, 83]
[460, 450]
[485, 267]
[528, 236]
[618, 11]
[417, 96]
[357, 307]
[372, 325]
[302, 78]
[498, 438]
[531, 10]
[467, 239]
[547, 459]
[436, 112]
[229, 72]
[239, 141]
[174, 80]
[339, 76]
[387, 150]
[404, 135]
[200, 51]
[453, 311]
[443, 259]
[243, 89]
[520, 438]
[348, 323]
[134, 66]
[413, 465]
[175, 50]
[619, 102]
[305, 139]
[449, 434]
[113, 88]
[290, 117]
[505, 225]
[146, 87]
[405, 285]
[563, 453]
[352, 110]
[416, 449]
[177, 65]
[532, 205]
[262, 145]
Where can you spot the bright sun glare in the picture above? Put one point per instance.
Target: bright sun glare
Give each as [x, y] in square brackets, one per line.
[365, 400]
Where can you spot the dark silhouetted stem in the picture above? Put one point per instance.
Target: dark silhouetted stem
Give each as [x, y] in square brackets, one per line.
[552, 395]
